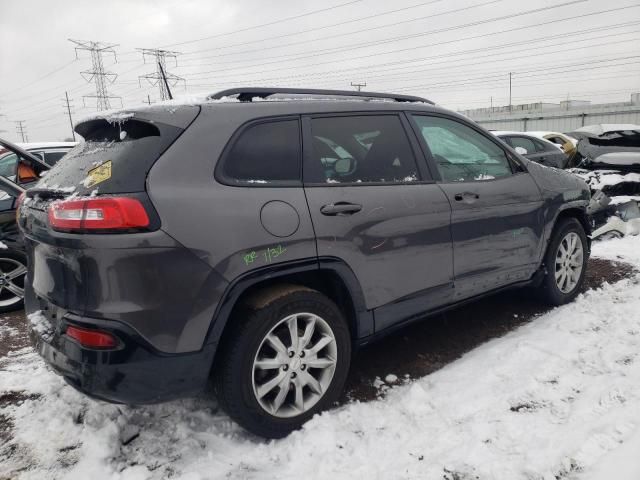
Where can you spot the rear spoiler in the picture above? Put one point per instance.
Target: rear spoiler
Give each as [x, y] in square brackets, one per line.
[23, 153]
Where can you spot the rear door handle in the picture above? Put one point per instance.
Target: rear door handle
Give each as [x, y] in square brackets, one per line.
[466, 197]
[340, 208]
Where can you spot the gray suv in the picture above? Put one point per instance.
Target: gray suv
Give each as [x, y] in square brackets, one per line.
[258, 238]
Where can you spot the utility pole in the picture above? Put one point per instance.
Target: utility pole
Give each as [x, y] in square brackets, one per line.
[68, 105]
[358, 85]
[510, 105]
[97, 73]
[161, 77]
[148, 100]
[22, 130]
[492, 103]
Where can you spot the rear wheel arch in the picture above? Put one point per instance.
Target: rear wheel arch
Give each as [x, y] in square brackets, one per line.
[331, 277]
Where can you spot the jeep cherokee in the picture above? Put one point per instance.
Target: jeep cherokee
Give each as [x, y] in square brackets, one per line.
[258, 237]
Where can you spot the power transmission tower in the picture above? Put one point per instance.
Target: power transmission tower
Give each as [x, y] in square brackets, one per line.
[161, 77]
[358, 85]
[68, 107]
[97, 73]
[22, 130]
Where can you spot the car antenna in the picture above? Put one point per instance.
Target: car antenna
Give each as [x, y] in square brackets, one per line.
[164, 79]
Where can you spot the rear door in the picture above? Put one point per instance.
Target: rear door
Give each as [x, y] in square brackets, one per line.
[496, 219]
[377, 209]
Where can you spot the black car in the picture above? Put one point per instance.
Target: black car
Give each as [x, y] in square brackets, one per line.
[258, 243]
[537, 149]
[24, 169]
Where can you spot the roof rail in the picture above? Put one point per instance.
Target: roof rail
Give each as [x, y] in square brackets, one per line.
[246, 94]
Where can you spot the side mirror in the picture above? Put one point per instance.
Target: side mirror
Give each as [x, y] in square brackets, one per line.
[521, 151]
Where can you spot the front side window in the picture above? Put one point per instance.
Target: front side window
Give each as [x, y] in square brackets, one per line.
[360, 149]
[523, 142]
[462, 154]
[265, 153]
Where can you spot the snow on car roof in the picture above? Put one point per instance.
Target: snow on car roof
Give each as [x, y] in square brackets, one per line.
[604, 128]
[498, 133]
[39, 145]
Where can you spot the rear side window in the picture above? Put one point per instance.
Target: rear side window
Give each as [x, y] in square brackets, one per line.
[360, 149]
[51, 158]
[523, 142]
[264, 153]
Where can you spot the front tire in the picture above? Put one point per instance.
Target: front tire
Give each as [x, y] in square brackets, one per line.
[286, 359]
[565, 262]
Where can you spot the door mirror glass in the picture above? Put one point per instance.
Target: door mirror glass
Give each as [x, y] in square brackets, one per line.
[521, 150]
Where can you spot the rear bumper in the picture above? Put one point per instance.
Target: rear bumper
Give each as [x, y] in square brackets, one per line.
[133, 373]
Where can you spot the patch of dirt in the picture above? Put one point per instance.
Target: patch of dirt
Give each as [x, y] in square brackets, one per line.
[13, 332]
[426, 346]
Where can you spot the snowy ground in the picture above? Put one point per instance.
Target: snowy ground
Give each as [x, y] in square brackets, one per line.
[558, 398]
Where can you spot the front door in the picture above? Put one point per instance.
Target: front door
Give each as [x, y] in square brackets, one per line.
[496, 220]
[374, 207]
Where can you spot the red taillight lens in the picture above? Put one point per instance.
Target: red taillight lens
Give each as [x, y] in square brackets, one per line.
[111, 213]
[92, 338]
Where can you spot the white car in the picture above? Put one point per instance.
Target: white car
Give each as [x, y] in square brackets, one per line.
[48, 152]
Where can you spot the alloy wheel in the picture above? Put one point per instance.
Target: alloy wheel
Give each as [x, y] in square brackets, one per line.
[12, 275]
[569, 260]
[294, 365]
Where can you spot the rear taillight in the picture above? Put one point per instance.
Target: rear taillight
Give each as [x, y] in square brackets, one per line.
[92, 338]
[109, 213]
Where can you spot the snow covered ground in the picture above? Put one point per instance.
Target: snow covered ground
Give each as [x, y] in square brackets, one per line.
[558, 398]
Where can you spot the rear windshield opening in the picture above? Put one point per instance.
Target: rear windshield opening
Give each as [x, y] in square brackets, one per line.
[115, 157]
[102, 130]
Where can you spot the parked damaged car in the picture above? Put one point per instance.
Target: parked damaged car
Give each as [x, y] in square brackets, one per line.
[19, 169]
[608, 159]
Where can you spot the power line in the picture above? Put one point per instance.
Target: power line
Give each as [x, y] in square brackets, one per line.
[98, 73]
[412, 48]
[315, 29]
[374, 70]
[286, 19]
[354, 46]
[46, 75]
[355, 32]
[161, 77]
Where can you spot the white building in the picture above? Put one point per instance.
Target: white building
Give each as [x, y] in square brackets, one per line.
[563, 117]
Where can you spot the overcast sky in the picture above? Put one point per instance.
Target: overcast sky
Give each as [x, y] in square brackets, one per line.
[456, 52]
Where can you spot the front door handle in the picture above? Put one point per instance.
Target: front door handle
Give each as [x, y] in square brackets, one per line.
[340, 208]
[466, 197]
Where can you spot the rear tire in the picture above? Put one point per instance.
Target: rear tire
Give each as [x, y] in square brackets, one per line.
[565, 262]
[13, 269]
[269, 382]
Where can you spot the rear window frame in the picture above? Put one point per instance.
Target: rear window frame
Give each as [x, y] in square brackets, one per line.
[223, 179]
